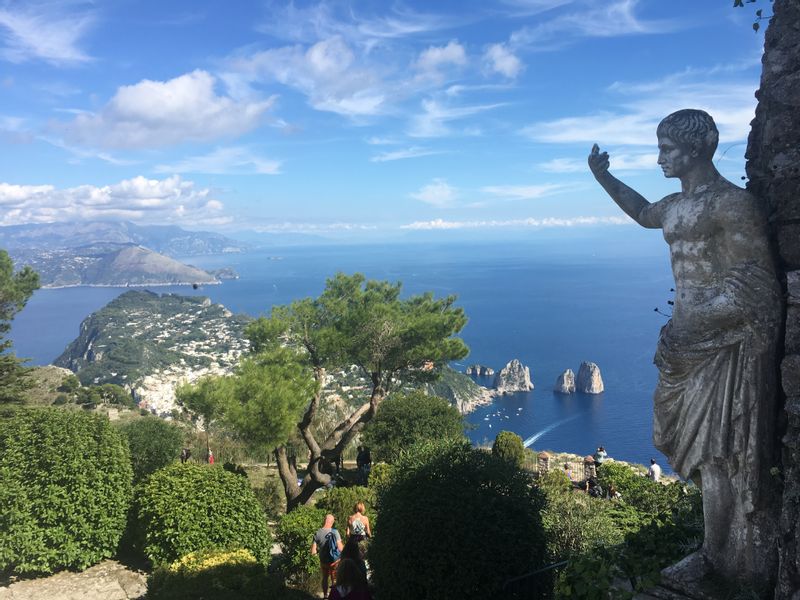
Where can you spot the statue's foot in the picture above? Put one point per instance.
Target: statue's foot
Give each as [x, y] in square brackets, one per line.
[691, 577]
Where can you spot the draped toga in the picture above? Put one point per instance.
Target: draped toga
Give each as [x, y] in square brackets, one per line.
[715, 400]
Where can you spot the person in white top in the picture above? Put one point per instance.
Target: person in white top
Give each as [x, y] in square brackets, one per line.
[655, 471]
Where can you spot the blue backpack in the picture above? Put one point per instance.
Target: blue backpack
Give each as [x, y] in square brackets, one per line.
[331, 547]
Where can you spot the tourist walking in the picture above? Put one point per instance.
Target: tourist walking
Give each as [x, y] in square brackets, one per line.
[600, 457]
[351, 584]
[364, 464]
[358, 523]
[654, 472]
[210, 457]
[328, 546]
[185, 454]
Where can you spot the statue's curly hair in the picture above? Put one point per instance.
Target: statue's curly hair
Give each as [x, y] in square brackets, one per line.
[693, 129]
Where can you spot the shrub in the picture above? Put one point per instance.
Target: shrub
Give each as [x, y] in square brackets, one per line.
[154, 444]
[647, 496]
[339, 501]
[509, 447]
[379, 476]
[186, 508]
[407, 419]
[295, 534]
[451, 509]
[66, 489]
[271, 498]
[211, 575]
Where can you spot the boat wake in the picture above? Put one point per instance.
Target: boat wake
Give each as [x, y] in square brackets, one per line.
[528, 442]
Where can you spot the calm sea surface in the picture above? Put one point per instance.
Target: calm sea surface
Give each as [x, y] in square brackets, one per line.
[551, 303]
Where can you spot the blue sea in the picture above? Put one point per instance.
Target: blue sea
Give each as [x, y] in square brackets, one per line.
[551, 301]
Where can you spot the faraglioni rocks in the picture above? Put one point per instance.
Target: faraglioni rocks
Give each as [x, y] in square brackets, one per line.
[479, 370]
[589, 379]
[514, 377]
[565, 384]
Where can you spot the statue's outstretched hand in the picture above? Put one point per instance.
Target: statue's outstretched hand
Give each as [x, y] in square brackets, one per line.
[598, 161]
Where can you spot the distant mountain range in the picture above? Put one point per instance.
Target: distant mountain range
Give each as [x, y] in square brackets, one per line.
[109, 264]
[164, 239]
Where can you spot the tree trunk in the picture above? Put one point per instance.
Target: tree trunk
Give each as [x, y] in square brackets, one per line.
[773, 168]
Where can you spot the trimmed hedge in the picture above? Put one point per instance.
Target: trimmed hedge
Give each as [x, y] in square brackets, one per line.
[340, 502]
[187, 508]
[210, 575]
[154, 443]
[295, 534]
[65, 492]
[455, 522]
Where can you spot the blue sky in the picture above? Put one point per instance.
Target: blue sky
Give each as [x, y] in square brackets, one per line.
[350, 118]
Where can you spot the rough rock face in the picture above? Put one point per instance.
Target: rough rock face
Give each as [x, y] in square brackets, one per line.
[773, 153]
[565, 384]
[589, 379]
[479, 370]
[514, 377]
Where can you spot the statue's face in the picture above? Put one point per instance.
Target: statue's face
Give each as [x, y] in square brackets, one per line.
[673, 159]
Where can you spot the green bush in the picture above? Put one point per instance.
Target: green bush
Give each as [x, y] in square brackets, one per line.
[407, 419]
[271, 498]
[295, 534]
[210, 575]
[453, 510]
[186, 508]
[647, 496]
[154, 444]
[379, 476]
[65, 492]
[508, 446]
[339, 501]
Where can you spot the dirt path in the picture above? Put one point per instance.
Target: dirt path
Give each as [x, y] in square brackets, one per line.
[108, 580]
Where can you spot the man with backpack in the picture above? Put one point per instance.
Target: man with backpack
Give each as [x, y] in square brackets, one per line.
[328, 545]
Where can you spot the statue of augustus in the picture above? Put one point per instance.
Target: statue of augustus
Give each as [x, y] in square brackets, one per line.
[715, 403]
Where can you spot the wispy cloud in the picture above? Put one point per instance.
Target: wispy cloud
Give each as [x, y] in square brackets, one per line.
[437, 193]
[644, 104]
[413, 152]
[435, 57]
[224, 161]
[170, 200]
[441, 224]
[522, 192]
[47, 31]
[299, 227]
[498, 58]
[153, 114]
[619, 161]
[432, 122]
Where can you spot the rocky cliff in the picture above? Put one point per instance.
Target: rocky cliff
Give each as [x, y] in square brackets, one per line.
[479, 371]
[565, 384]
[514, 377]
[460, 390]
[589, 380]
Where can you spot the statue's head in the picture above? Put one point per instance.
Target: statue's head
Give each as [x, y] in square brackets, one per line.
[694, 131]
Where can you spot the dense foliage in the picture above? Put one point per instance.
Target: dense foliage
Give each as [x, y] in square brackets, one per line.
[15, 289]
[153, 442]
[186, 508]
[294, 534]
[455, 522]
[406, 419]
[211, 575]
[65, 492]
[508, 446]
[339, 501]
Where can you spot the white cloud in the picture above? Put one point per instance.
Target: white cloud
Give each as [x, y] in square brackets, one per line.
[294, 227]
[517, 223]
[499, 59]
[432, 121]
[437, 193]
[435, 57]
[224, 161]
[152, 114]
[413, 152]
[381, 141]
[564, 165]
[522, 192]
[620, 161]
[327, 72]
[43, 31]
[138, 199]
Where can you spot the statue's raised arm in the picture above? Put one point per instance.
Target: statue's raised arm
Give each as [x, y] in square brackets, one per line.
[628, 199]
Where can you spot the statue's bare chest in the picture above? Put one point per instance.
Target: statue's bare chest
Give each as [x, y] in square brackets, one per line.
[690, 219]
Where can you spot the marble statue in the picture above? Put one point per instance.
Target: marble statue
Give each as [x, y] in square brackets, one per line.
[715, 401]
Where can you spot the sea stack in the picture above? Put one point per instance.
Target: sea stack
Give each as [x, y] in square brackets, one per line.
[514, 377]
[589, 379]
[565, 384]
[479, 370]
